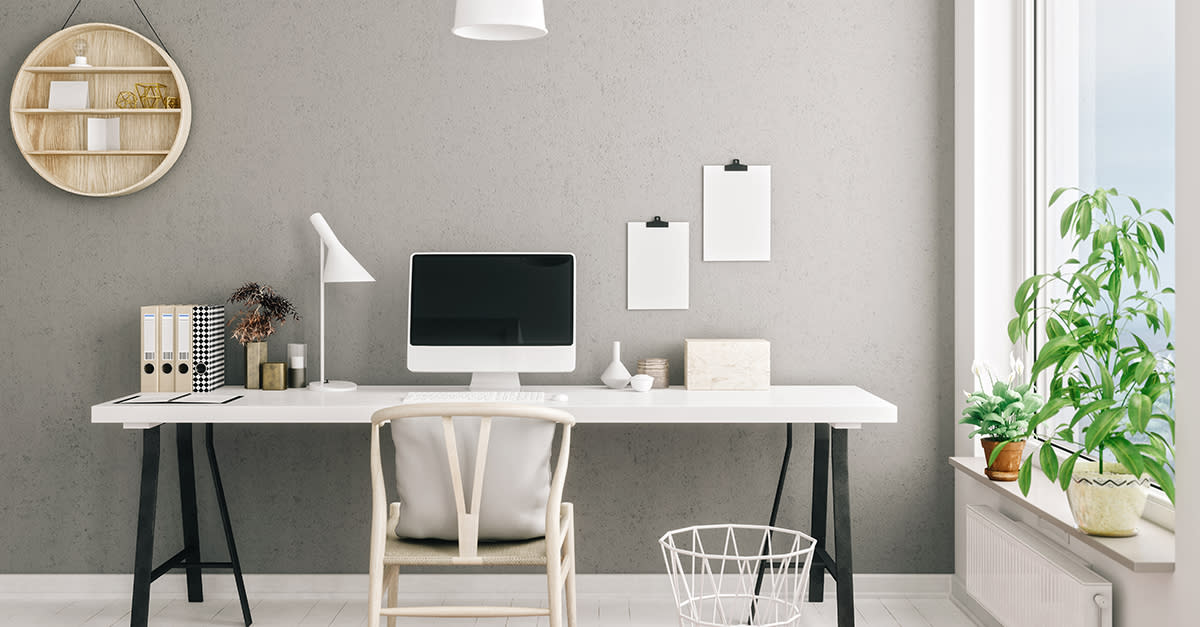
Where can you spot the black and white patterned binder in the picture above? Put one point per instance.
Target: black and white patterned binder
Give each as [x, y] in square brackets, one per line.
[208, 347]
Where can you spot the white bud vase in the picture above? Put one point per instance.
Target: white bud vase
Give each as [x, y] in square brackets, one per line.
[616, 376]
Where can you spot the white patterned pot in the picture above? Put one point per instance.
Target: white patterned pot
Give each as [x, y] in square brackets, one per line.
[1108, 504]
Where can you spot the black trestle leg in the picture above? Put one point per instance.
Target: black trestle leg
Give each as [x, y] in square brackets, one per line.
[187, 502]
[143, 558]
[233, 556]
[783, 468]
[841, 530]
[820, 501]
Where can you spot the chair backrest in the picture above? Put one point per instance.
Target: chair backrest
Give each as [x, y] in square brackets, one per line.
[468, 517]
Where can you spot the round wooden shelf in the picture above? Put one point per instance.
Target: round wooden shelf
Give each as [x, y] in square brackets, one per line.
[54, 141]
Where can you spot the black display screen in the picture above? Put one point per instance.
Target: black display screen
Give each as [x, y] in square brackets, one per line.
[492, 300]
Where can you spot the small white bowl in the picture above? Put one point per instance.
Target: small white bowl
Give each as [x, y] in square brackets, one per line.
[641, 382]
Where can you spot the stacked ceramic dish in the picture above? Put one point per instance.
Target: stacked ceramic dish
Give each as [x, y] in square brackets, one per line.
[656, 367]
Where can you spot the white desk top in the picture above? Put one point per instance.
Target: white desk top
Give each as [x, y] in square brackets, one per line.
[843, 406]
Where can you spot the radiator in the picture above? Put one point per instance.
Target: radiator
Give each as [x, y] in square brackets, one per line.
[1024, 580]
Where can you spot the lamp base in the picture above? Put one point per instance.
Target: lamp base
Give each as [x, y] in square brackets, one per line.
[333, 386]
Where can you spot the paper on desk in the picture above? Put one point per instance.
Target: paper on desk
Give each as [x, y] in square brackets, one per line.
[150, 399]
[206, 398]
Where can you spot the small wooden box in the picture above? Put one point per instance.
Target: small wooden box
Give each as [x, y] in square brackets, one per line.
[726, 364]
[274, 375]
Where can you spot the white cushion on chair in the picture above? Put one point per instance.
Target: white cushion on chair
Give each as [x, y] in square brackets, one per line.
[516, 481]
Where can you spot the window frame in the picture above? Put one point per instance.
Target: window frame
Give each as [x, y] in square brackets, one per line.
[1054, 59]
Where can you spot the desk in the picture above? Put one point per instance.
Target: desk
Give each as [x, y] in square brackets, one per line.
[832, 410]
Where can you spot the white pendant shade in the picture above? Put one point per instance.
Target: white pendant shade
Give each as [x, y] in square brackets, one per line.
[340, 265]
[499, 20]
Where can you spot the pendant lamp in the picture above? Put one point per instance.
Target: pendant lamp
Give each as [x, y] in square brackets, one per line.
[499, 20]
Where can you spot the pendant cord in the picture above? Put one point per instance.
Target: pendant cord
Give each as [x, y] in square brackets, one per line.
[139, 8]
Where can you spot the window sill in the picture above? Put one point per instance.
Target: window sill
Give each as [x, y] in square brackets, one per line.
[1151, 551]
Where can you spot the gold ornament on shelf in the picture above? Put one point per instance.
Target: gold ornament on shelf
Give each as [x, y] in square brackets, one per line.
[152, 98]
[152, 95]
[127, 100]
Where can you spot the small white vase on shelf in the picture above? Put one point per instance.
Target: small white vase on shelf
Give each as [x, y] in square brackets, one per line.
[616, 376]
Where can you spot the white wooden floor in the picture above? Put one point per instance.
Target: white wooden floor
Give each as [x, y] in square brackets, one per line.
[594, 611]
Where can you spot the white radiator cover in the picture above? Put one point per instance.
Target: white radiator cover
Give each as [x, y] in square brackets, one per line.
[1024, 580]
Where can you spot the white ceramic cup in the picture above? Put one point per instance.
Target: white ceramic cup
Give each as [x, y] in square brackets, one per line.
[641, 382]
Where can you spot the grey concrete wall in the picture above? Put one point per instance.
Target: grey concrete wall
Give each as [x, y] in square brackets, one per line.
[408, 138]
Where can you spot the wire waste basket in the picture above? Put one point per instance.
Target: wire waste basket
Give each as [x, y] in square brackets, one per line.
[723, 575]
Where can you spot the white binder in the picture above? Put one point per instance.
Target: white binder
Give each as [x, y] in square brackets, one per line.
[183, 348]
[166, 348]
[149, 345]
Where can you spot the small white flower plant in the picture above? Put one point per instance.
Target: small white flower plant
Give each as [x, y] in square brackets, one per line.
[1002, 409]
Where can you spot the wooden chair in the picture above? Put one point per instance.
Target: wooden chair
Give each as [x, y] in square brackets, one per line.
[555, 551]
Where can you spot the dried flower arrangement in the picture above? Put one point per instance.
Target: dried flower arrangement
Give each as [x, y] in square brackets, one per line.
[265, 309]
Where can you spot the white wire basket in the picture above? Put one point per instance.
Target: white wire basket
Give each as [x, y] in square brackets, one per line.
[723, 575]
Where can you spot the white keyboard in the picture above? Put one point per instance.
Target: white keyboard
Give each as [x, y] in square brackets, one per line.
[474, 397]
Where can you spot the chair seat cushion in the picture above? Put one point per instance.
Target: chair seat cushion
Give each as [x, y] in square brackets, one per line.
[516, 482]
[405, 552]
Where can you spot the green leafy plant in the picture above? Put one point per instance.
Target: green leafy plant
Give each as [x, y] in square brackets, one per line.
[1117, 385]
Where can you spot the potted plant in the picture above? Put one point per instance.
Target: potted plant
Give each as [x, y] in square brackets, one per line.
[1002, 413]
[264, 311]
[1103, 311]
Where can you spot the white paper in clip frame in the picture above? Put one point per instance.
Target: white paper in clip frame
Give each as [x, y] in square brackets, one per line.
[737, 214]
[658, 266]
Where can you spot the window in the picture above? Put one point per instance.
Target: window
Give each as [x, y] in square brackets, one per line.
[1104, 116]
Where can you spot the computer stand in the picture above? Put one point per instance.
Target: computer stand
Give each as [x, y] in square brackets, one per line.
[495, 381]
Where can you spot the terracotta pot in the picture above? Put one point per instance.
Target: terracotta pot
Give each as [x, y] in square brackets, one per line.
[1007, 463]
[1108, 504]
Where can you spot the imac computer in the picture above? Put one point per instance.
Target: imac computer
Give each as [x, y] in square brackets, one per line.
[491, 314]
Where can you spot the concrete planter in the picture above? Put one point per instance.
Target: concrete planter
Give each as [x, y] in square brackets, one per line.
[1108, 504]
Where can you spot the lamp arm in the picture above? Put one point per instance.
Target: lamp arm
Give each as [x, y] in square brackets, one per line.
[322, 280]
[326, 233]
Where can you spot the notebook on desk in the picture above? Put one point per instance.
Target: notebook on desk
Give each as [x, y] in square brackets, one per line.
[171, 398]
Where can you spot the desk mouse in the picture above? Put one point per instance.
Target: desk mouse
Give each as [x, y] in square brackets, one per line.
[560, 398]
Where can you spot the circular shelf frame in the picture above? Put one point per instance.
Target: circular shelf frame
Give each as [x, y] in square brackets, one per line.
[54, 142]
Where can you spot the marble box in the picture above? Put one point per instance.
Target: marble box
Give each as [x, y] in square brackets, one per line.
[726, 364]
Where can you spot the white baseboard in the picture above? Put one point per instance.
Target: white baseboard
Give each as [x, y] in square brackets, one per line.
[172, 586]
[968, 605]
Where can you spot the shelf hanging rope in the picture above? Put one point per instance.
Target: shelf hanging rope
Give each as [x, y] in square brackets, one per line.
[139, 8]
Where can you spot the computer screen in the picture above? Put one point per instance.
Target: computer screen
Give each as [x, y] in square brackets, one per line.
[492, 299]
[494, 315]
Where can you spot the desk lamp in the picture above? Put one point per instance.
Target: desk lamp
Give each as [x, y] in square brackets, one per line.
[337, 266]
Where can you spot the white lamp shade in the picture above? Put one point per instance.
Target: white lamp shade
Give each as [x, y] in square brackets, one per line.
[499, 20]
[340, 265]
